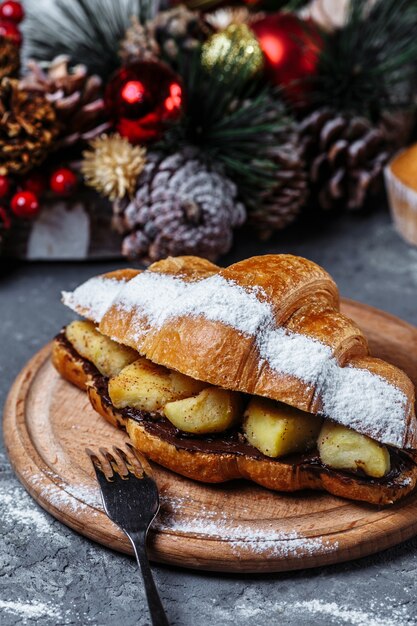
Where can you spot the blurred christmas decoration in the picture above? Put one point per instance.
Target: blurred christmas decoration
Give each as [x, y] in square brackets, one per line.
[141, 98]
[198, 115]
[9, 58]
[88, 31]
[180, 207]
[256, 5]
[234, 48]
[28, 127]
[25, 204]
[75, 96]
[63, 181]
[327, 14]
[227, 16]
[291, 48]
[139, 43]
[368, 65]
[12, 11]
[113, 166]
[178, 31]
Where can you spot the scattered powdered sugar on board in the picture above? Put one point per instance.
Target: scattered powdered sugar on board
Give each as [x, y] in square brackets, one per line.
[352, 396]
[73, 497]
[212, 524]
[31, 611]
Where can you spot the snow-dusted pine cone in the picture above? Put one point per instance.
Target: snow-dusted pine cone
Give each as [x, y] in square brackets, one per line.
[346, 157]
[75, 95]
[180, 207]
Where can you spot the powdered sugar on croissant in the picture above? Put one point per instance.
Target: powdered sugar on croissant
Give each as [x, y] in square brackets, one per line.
[269, 326]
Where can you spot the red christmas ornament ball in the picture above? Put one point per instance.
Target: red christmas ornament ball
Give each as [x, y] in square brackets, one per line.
[141, 98]
[4, 186]
[25, 204]
[12, 10]
[291, 48]
[63, 181]
[9, 30]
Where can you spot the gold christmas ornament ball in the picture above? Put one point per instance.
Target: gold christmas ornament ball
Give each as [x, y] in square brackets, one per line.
[113, 165]
[234, 48]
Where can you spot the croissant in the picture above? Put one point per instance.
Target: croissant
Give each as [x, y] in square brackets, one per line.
[269, 326]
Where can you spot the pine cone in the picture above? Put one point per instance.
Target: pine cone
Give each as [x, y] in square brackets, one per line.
[346, 157]
[75, 96]
[180, 207]
[9, 58]
[28, 127]
[178, 29]
[139, 44]
[282, 203]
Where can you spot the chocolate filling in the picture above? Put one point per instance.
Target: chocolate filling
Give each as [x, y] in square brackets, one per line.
[233, 441]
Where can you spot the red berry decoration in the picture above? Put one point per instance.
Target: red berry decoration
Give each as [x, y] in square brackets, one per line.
[12, 10]
[141, 98]
[63, 181]
[291, 48]
[9, 30]
[4, 186]
[36, 182]
[25, 204]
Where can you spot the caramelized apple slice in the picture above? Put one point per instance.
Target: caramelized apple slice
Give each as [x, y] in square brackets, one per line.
[211, 411]
[147, 386]
[343, 448]
[108, 356]
[277, 429]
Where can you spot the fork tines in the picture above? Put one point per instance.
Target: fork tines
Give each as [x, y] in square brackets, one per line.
[121, 462]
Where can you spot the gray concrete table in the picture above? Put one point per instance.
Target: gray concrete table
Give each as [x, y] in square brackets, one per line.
[50, 575]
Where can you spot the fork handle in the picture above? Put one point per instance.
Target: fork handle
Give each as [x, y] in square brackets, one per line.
[158, 616]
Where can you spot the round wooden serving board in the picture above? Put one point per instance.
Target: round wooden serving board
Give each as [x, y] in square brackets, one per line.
[234, 527]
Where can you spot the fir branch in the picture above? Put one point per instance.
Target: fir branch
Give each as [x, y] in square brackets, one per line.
[236, 123]
[369, 65]
[89, 31]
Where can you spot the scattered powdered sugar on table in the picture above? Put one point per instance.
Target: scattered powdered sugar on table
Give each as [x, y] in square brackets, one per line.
[352, 396]
[31, 611]
[384, 614]
[17, 507]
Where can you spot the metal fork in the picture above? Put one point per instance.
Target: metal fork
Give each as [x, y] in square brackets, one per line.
[130, 499]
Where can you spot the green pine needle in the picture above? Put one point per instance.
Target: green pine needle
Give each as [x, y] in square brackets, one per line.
[369, 65]
[234, 120]
[89, 31]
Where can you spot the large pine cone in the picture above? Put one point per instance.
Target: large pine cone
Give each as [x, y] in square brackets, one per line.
[28, 127]
[75, 96]
[281, 204]
[180, 207]
[346, 157]
[9, 58]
